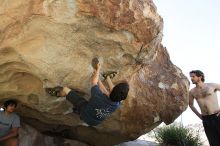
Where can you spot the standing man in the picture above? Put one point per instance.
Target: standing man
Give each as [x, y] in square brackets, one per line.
[206, 97]
[9, 124]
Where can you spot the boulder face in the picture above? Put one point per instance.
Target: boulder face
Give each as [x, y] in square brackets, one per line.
[45, 43]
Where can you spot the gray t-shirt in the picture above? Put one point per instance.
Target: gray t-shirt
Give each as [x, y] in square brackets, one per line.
[8, 122]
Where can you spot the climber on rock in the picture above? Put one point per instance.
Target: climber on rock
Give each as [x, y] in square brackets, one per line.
[102, 102]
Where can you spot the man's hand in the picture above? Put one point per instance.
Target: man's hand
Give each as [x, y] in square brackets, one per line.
[12, 133]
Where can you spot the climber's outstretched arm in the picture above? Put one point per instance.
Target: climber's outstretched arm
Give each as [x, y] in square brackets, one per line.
[95, 75]
[110, 84]
[102, 88]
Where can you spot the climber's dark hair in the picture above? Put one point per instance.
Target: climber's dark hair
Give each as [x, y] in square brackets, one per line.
[119, 92]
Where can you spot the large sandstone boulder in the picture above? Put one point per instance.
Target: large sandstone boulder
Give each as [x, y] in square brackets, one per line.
[44, 43]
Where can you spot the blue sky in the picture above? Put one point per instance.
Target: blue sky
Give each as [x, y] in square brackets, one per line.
[191, 36]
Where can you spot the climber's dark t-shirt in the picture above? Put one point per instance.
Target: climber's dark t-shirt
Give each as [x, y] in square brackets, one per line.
[98, 108]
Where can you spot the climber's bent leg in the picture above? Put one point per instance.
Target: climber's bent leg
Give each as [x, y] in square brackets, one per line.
[78, 102]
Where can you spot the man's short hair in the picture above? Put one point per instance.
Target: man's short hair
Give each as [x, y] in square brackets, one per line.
[119, 92]
[198, 73]
[10, 102]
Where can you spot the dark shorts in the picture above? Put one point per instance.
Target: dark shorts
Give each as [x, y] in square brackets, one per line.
[211, 125]
[78, 102]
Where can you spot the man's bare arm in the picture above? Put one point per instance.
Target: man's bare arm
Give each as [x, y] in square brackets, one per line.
[191, 105]
[12, 133]
[216, 86]
[110, 84]
[95, 75]
[102, 88]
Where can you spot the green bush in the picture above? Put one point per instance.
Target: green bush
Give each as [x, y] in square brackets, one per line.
[175, 135]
